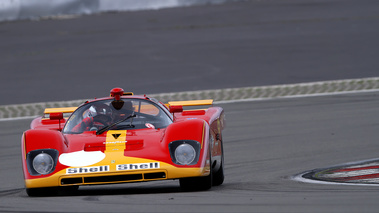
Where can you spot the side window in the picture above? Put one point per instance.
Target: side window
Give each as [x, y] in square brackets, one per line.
[146, 108]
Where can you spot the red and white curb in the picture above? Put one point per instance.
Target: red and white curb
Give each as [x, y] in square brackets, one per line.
[361, 173]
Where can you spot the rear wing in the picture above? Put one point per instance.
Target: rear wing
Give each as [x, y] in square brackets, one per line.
[189, 105]
[65, 110]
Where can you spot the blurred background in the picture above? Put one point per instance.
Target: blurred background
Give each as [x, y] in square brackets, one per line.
[55, 50]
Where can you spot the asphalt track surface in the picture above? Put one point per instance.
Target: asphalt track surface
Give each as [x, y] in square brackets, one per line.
[266, 143]
[237, 44]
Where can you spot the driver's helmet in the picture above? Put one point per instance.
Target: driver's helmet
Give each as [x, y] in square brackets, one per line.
[98, 109]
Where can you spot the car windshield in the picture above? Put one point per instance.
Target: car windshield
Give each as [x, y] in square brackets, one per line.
[118, 115]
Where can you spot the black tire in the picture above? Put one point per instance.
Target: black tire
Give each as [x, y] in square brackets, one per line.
[218, 177]
[67, 190]
[41, 192]
[197, 183]
[51, 191]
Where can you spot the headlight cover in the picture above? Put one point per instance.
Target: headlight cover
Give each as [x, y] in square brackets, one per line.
[42, 161]
[185, 152]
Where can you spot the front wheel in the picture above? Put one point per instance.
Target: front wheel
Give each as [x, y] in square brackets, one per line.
[41, 192]
[51, 191]
[196, 183]
[218, 177]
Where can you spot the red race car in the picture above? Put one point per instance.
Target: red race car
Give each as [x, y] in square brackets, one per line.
[124, 138]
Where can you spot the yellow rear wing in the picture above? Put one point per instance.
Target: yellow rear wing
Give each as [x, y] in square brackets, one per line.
[65, 110]
[191, 103]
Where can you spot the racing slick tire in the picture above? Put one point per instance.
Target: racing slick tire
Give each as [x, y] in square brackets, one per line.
[40, 192]
[197, 183]
[51, 191]
[218, 177]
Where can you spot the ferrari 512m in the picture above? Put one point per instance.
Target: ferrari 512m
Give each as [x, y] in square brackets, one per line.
[124, 138]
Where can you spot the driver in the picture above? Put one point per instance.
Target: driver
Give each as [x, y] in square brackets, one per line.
[98, 114]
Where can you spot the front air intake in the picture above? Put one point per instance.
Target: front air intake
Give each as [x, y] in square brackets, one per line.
[113, 178]
[155, 175]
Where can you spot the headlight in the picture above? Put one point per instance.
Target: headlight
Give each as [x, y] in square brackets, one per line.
[43, 163]
[185, 154]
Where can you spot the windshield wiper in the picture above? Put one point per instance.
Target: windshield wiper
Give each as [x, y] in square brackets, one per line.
[100, 131]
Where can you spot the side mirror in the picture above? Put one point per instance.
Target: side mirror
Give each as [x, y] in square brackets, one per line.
[56, 116]
[174, 109]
